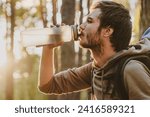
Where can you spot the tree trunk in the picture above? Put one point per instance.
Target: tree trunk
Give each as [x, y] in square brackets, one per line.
[43, 12]
[10, 47]
[54, 11]
[67, 50]
[145, 15]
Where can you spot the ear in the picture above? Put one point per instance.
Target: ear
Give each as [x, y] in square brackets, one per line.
[107, 32]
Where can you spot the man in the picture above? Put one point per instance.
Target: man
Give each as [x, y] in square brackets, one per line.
[106, 34]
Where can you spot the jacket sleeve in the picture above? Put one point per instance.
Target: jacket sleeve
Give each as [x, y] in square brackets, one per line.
[71, 80]
[137, 80]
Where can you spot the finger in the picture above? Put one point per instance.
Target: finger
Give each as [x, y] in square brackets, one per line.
[53, 45]
[58, 44]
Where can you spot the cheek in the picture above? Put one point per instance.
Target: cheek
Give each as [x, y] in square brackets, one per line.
[92, 34]
[92, 29]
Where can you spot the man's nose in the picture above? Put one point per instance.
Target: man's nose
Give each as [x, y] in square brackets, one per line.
[82, 27]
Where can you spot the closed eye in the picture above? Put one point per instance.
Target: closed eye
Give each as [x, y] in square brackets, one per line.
[89, 20]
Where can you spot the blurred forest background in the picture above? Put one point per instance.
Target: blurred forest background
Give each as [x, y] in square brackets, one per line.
[19, 66]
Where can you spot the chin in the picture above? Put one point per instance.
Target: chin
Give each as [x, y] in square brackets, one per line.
[84, 45]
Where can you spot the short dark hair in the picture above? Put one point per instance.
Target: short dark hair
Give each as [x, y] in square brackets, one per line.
[116, 16]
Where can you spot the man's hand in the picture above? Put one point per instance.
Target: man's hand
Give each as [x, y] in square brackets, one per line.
[51, 46]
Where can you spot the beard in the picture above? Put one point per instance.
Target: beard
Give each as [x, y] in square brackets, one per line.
[93, 44]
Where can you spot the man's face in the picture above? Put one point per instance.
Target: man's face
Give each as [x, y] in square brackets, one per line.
[90, 37]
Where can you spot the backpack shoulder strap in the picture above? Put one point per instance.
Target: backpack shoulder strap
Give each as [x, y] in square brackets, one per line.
[119, 80]
[119, 77]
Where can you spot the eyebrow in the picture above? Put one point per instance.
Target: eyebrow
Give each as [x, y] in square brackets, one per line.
[86, 17]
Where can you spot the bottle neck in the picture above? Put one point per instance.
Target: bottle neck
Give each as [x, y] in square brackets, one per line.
[75, 32]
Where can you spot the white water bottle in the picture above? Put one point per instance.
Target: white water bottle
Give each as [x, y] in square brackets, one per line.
[45, 36]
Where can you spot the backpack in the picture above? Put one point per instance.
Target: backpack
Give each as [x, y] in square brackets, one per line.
[143, 57]
[119, 79]
[120, 64]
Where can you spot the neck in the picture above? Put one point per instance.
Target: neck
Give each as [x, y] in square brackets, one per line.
[101, 57]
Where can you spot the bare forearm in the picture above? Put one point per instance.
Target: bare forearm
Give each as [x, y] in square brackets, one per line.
[46, 65]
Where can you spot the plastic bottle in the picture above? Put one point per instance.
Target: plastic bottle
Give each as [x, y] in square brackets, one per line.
[45, 36]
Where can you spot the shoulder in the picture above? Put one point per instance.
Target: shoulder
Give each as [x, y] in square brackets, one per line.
[137, 80]
[134, 66]
[136, 69]
[87, 67]
[136, 72]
